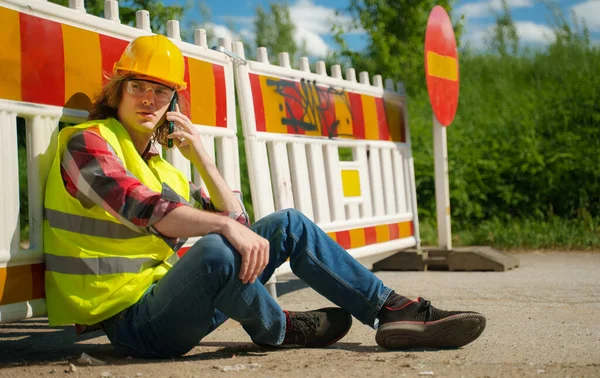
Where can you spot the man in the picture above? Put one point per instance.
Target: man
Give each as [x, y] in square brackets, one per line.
[116, 212]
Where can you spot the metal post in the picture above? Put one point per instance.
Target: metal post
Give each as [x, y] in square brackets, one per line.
[442, 188]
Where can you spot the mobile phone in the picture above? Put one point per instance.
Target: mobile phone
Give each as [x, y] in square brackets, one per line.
[171, 123]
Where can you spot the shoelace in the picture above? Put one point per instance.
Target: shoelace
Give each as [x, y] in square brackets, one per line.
[304, 325]
[425, 305]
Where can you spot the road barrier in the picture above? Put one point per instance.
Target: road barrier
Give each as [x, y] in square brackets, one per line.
[338, 150]
[53, 61]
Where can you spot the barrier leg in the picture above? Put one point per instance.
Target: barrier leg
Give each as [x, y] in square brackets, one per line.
[271, 286]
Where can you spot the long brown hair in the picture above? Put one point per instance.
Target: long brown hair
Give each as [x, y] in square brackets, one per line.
[106, 105]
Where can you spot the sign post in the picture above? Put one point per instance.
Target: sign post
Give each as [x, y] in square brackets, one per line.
[442, 186]
[441, 68]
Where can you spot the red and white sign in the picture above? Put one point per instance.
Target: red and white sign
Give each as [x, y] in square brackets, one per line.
[441, 65]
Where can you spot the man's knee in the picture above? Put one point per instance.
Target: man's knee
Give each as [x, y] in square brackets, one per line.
[291, 216]
[213, 253]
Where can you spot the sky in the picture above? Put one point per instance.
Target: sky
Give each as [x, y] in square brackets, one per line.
[313, 19]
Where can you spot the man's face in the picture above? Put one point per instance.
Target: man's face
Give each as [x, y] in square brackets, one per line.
[144, 104]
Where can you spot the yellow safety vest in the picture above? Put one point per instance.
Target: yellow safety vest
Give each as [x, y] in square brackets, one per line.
[95, 266]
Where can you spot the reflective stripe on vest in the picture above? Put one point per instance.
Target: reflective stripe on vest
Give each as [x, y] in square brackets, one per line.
[90, 226]
[101, 265]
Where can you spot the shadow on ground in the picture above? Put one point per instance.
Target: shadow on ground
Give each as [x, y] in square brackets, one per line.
[33, 341]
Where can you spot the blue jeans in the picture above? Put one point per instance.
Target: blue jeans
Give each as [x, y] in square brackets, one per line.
[203, 289]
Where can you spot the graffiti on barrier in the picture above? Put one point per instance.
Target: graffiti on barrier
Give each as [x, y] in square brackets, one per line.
[310, 107]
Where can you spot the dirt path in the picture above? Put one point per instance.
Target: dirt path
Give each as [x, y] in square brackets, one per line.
[543, 321]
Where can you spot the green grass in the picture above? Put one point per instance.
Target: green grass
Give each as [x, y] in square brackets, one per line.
[554, 233]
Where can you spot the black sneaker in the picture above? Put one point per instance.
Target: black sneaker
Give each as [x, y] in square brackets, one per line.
[315, 329]
[420, 325]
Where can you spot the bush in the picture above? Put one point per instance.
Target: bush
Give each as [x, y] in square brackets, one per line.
[526, 139]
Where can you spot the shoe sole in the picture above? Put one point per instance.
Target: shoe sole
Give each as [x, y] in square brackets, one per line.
[448, 333]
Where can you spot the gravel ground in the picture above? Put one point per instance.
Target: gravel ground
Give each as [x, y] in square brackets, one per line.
[543, 320]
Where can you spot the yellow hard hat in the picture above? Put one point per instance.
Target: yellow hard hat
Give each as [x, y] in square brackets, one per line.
[155, 56]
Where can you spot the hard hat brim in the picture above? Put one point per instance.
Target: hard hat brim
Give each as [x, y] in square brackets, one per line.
[178, 86]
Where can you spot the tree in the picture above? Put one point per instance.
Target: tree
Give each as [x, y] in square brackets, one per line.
[159, 13]
[567, 32]
[395, 33]
[505, 38]
[275, 31]
[203, 21]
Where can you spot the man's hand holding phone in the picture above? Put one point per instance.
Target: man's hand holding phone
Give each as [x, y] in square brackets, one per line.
[171, 126]
[185, 136]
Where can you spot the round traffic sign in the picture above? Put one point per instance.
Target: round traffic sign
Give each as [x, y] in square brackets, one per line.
[441, 65]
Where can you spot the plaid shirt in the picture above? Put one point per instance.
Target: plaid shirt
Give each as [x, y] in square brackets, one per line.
[94, 174]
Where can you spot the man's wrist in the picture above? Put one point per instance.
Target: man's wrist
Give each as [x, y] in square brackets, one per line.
[225, 225]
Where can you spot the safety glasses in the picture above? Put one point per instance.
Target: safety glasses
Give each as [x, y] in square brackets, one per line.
[139, 88]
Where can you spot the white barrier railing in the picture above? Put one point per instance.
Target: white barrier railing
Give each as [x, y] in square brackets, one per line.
[52, 62]
[338, 150]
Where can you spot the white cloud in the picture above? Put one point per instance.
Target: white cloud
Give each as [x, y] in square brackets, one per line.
[534, 33]
[487, 8]
[475, 36]
[529, 32]
[312, 22]
[221, 31]
[247, 34]
[590, 12]
[317, 18]
[315, 44]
